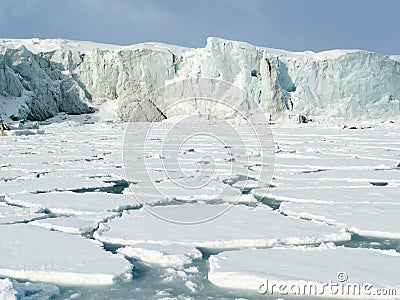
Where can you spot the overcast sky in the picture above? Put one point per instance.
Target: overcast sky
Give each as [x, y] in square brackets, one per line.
[296, 25]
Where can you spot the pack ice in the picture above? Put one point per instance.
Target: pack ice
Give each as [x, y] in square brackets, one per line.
[326, 271]
[31, 253]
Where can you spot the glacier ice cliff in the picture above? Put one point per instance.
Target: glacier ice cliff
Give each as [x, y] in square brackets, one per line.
[40, 78]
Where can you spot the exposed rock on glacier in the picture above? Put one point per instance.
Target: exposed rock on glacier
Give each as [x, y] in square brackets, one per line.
[39, 78]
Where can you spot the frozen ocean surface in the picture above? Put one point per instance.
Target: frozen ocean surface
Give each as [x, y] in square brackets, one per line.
[72, 224]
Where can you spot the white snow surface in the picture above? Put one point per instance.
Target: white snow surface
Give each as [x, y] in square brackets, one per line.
[238, 227]
[10, 215]
[395, 57]
[75, 204]
[163, 254]
[6, 290]
[36, 254]
[302, 267]
[367, 219]
[71, 224]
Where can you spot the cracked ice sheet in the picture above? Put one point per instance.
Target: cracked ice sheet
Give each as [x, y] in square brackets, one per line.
[336, 148]
[344, 177]
[166, 193]
[336, 179]
[368, 194]
[308, 162]
[36, 254]
[72, 225]
[50, 183]
[75, 203]
[366, 219]
[298, 266]
[238, 227]
[12, 214]
[163, 254]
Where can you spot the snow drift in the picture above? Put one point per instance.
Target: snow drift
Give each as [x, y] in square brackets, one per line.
[40, 78]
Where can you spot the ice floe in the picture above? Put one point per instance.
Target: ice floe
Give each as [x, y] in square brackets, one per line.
[238, 227]
[366, 219]
[36, 254]
[11, 214]
[6, 290]
[75, 203]
[163, 254]
[325, 271]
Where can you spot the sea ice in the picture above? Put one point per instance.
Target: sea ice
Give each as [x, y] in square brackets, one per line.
[72, 224]
[367, 219]
[163, 254]
[75, 203]
[239, 227]
[307, 271]
[6, 290]
[12, 214]
[332, 194]
[37, 254]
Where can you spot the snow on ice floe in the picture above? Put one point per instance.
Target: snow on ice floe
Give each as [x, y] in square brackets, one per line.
[6, 290]
[163, 254]
[214, 192]
[238, 227]
[72, 225]
[49, 183]
[36, 254]
[366, 219]
[332, 194]
[299, 268]
[11, 214]
[337, 178]
[75, 203]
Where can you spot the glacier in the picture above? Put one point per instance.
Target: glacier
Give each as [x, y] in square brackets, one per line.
[40, 78]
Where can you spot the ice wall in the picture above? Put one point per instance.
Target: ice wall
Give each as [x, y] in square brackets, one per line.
[39, 78]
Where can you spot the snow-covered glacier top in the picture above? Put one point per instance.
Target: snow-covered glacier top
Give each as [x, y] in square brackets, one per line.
[40, 78]
[36, 45]
[395, 57]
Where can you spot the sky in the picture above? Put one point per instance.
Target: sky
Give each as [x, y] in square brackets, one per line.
[295, 25]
